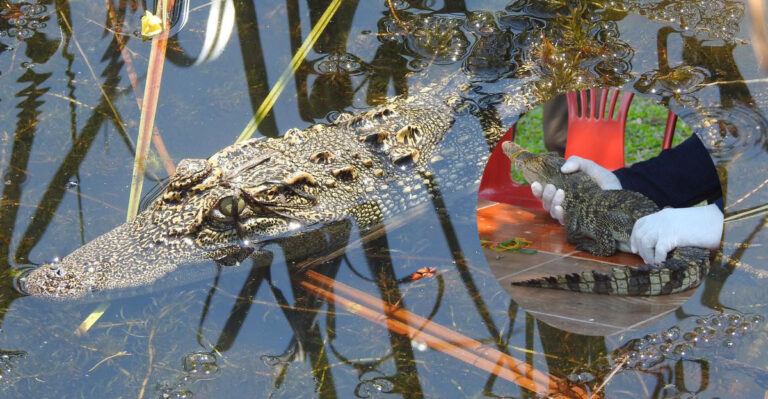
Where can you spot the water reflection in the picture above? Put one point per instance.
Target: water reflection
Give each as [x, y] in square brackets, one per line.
[256, 330]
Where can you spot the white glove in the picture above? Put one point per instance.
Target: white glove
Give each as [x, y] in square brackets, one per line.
[604, 177]
[552, 198]
[658, 233]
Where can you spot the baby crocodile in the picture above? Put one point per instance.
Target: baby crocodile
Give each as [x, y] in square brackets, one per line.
[600, 222]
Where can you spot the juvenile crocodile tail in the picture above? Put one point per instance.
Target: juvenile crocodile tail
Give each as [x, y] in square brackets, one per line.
[684, 269]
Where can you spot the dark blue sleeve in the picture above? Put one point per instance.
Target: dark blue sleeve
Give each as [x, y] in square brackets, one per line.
[679, 177]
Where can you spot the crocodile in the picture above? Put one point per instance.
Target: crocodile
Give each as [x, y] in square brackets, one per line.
[365, 167]
[600, 222]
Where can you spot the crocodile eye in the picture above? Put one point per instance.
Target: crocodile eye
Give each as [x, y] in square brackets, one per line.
[231, 206]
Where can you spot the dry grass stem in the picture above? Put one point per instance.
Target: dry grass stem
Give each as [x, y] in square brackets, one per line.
[118, 354]
[148, 109]
[72, 100]
[730, 82]
[157, 140]
[749, 194]
[747, 214]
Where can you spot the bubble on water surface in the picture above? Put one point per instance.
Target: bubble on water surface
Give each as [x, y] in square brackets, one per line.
[201, 365]
[339, 64]
[373, 384]
[721, 330]
[437, 38]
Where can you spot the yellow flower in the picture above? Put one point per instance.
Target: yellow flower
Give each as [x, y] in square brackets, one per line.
[151, 25]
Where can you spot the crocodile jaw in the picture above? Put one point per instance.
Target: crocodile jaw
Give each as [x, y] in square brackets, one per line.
[112, 260]
[544, 168]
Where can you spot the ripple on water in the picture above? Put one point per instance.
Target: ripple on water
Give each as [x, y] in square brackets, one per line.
[729, 130]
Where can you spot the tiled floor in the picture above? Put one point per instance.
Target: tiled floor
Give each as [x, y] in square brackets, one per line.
[581, 313]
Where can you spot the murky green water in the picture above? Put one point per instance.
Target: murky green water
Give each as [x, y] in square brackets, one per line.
[68, 120]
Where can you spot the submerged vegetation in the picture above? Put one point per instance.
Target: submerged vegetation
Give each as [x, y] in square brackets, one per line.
[69, 82]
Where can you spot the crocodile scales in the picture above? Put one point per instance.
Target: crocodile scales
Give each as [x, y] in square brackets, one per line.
[366, 167]
[600, 222]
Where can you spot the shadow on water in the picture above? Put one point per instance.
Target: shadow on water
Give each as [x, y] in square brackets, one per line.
[253, 329]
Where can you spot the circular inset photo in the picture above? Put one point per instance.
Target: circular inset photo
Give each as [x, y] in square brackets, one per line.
[567, 260]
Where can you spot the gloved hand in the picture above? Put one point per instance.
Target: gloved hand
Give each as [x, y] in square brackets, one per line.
[654, 235]
[552, 198]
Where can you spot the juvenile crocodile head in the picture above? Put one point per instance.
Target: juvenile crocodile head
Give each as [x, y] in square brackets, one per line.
[545, 168]
[222, 209]
[542, 168]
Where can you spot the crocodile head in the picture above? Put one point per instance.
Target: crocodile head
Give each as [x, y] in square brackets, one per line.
[224, 209]
[543, 168]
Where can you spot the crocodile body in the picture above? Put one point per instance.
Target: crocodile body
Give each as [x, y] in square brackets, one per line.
[363, 168]
[600, 222]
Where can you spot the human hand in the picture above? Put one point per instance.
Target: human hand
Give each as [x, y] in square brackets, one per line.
[602, 176]
[654, 235]
[552, 197]
[551, 200]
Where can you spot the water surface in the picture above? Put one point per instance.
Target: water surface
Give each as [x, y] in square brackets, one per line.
[69, 120]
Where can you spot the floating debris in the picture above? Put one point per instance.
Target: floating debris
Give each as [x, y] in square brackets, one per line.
[515, 244]
[151, 25]
[423, 272]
